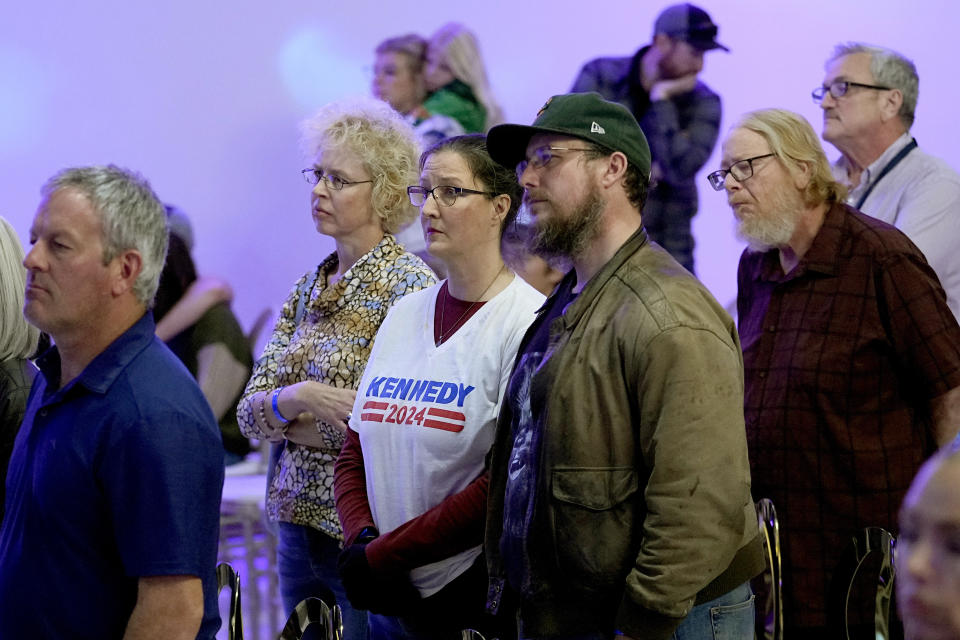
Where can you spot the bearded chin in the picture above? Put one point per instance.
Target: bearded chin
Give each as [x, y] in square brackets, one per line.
[772, 232]
[569, 234]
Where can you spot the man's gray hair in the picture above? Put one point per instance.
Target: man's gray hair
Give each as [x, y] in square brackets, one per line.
[131, 215]
[889, 69]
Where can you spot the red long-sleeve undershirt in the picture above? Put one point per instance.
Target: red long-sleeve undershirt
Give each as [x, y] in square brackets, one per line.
[452, 526]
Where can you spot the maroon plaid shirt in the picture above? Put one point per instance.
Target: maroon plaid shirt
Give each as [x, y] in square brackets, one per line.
[842, 357]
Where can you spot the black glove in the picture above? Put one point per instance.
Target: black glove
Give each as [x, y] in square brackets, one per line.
[390, 595]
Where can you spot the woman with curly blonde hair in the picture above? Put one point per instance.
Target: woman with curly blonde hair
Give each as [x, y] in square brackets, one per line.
[363, 156]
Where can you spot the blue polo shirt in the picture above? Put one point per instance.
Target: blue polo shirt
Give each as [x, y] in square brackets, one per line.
[115, 476]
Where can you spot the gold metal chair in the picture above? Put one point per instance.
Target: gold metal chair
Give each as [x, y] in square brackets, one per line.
[313, 611]
[869, 540]
[770, 613]
[227, 577]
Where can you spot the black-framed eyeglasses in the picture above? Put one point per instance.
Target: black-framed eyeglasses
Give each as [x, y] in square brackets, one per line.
[741, 170]
[840, 88]
[335, 182]
[541, 157]
[444, 194]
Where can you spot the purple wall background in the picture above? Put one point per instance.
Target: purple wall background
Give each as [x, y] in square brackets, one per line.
[204, 98]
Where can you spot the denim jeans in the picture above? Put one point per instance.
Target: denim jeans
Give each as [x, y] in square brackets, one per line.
[729, 617]
[307, 564]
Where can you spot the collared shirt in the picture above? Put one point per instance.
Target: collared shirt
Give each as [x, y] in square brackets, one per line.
[330, 344]
[921, 197]
[682, 132]
[842, 357]
[115, 476]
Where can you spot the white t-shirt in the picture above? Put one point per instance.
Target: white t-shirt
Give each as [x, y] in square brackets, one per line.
[426, 414]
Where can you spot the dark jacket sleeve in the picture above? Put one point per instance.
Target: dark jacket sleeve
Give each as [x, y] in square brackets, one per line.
[680, 147]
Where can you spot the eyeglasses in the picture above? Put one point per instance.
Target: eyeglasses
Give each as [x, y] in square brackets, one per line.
[313, 176]
[840, 88]
[740, 170]
[443, 194]
[541, 157]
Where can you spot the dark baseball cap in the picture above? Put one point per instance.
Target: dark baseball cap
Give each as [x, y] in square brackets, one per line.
[582, 115]
[689, 23]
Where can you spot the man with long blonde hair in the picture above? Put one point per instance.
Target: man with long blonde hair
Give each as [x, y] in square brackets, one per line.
[851, 354]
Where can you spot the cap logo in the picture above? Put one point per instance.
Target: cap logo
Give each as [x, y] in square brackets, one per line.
[544, 107]
[595, 128]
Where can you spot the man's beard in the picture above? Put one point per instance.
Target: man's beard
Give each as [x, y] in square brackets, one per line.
[773, 229]
[568, 234]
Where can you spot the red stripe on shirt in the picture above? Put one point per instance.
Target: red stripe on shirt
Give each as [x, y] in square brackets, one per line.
[446, 426]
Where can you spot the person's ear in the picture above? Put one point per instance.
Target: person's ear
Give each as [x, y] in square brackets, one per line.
[615, 169]
[663, 43]
[890, 105]
[126, 270]
[802, 175]
[501, 206]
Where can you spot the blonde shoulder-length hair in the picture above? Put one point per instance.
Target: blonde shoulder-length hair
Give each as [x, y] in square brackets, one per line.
[18, 338]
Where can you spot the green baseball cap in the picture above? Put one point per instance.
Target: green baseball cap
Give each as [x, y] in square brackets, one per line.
[582, 115]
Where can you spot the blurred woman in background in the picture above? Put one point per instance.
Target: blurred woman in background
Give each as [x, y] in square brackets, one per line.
[456, 79]
[302, 390]
[398, 80]
[214, 348]
[18, 341]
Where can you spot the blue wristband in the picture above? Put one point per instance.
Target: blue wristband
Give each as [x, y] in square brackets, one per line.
[276, 406]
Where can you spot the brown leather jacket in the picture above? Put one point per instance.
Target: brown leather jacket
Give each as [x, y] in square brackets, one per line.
[643, 490]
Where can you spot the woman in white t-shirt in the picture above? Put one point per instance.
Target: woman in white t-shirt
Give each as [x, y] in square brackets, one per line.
[410, 483]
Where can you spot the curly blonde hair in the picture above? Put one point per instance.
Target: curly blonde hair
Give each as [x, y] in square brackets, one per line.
[384, 142]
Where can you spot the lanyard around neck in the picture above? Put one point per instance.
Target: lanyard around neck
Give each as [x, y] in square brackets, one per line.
[887, 169]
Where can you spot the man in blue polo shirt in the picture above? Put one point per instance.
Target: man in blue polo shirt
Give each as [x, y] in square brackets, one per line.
[113, 490]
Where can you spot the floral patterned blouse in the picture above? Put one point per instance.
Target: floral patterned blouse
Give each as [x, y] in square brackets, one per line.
[330, 344]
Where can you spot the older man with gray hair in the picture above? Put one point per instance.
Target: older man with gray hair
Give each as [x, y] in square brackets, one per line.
[113, 489]
[868, 98]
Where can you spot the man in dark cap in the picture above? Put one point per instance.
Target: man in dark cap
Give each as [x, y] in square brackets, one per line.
[619, 482]
[679, 114]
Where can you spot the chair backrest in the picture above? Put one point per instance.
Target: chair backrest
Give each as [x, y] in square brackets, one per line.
[313, 611]
[869, 540]
[259, 323]
[770, 613]
[471, 634]
[228, 577]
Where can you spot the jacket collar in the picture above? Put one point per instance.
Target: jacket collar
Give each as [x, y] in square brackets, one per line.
[588, 296]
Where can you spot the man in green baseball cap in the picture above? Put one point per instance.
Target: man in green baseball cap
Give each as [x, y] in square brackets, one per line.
[619, 496]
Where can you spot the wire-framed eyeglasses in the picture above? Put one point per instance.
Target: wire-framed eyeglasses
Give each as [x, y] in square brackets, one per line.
[741, 170]
[335, 182]
[541, 157]
[840, 88]
[444, 194]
